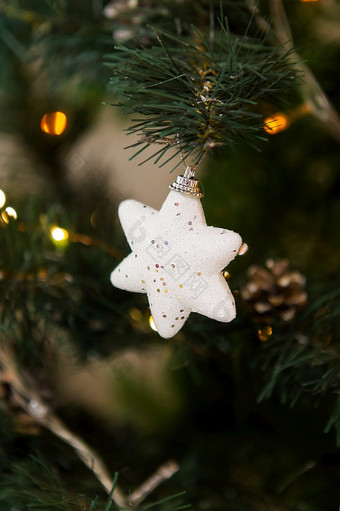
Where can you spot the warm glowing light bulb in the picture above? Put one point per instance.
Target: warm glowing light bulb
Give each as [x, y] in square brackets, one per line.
[309, 0]
[264, 333]
[2, 198]
[243, 249]
[7, 214]
[11, 212]
[276, 123]
[54, 123]
[59, 234]
[152, 324]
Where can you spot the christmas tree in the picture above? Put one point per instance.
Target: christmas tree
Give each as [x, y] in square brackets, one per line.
[112, 400]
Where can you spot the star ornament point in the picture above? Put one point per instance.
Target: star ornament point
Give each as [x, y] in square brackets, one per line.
[177, 260]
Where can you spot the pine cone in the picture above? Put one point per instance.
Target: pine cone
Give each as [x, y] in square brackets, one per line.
[274, 291]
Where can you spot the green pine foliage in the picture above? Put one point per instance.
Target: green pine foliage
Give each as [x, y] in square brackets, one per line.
[254, 426]
[34, 485]
[298, 366]
[198, 91]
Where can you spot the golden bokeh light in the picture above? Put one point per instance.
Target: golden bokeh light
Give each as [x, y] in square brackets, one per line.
[135, 314]
[59, 234]
[276, 123]
[54, 123]
[11, 212]
[264, 333]
[2, 198]
[7, 214]
[243, 249]
[152, 324]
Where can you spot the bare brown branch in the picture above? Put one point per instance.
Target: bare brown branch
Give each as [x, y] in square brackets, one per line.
[163, 473]
[313, 93]
[28, 399]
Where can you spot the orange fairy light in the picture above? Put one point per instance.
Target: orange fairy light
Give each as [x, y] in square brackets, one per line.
[264, 333]
[54, 123]
[7, 214]
[279, 122]
[276, 123]
[309, 0]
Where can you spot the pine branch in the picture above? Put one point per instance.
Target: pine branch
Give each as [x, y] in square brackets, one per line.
[306, 360]
[204, 93]
[27, 397]
[29, 400]
[163, 473]
[130, 20]
[33, 484]
[313, 95]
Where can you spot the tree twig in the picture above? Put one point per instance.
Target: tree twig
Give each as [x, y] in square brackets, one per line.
[28, 398]
[313, 94]
[163, 473]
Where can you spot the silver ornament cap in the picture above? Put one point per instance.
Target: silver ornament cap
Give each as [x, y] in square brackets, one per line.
[187, 184]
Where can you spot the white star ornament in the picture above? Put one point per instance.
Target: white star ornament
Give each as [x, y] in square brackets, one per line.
[177, 260]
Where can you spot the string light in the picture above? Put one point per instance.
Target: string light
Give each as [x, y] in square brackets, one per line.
[11, 212]
[264, 333]
[54, 123]
[2, 198]
[4, 218]
[276, 123]
[279, 122]
[59, 234]
[308, 0]
[8, 213]
[243, 249]
[152, 324]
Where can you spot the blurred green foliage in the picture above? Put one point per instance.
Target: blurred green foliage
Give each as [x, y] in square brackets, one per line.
[234, 451]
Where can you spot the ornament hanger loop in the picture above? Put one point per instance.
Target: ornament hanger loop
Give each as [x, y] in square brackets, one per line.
[187, 183]
[186, 166]
[189, 172]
